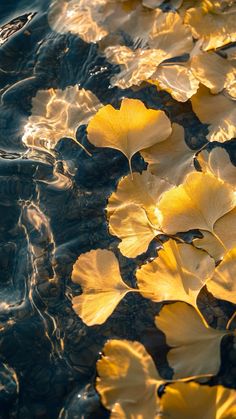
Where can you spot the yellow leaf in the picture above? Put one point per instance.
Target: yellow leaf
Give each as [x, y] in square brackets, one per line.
[212, 24]
[131, 224]
[196, 204]
[195, 347]
[128, 129]
[195, 401]
[218, 111]
[97, 272]
[224, 237]
[128, 380]
[177, 79]
[143, 189]
[58, 113]
[172, 159]
[217, 162]
[178, 273]
[222, 284]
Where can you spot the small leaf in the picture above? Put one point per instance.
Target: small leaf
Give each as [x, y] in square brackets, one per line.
[195, 347]
[97, 272]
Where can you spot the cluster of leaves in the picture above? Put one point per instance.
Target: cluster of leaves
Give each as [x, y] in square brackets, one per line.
[180, 51]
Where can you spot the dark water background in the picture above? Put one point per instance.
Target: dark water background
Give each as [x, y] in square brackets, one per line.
[47, 355]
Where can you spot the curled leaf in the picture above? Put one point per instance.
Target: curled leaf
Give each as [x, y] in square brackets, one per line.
[97, 272]
[195, 347]
[128, 380]
[129, 129]
[178, 273]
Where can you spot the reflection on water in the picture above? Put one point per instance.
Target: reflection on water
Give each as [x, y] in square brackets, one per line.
[54, 187]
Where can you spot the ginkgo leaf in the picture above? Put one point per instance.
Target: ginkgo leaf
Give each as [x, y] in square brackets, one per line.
[128, 380]
[212, 24]
[195, 347]
[131, 224]
[213, 71]
[172, 159]
[192, 400]
[176, 79]
[129, 129]
[222, 284]
[217, 162]
[144, 189]
[196, 204]
[58, 113]
[224, 237]
[178, 273]
[97, 272]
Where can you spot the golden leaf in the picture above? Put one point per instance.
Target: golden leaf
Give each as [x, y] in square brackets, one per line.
[97, 272]
[172, 159]
[129, 129]
[224, 237]
[178, 273]
[218, 111]
[217, 162]
[214, 72]
[128, 380]
[222, 284]
[195, 401]
[131, 224]
[195, 347]
[214, 26]
[196, 204]
[58, 113]
[176, 79]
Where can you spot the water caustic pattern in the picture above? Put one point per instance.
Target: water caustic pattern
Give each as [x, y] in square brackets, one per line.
[118, 209]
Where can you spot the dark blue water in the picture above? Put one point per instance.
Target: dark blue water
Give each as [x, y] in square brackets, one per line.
[52, 209]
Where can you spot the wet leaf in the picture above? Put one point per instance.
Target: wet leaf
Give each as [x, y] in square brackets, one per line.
[178, 273]
[129, 129]
[128, 380]
[195, 347]
[222, 284]
[97, 272]
[192, 400]
[218, 111]
[196, 204]
[172, 159]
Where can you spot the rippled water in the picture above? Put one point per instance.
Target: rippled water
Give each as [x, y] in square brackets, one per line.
[52, 210]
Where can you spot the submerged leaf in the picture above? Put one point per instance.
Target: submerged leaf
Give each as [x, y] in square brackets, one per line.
[218, 111]
[178, 273]
[222, 284]
[196, 204]
[97, 272]
[128, 380]
[129, 129]
[195, 347]
[172, 159]
[192, 400]
[58, 113]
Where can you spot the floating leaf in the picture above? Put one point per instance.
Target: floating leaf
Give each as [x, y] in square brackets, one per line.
[195, 347]
[97, 272]
[58, 113]
[128, 380]
[178, 273]
[131, 224]
[224, 237]
[129, 129]
[211, 23]
[222, 284]
[196, 204]
[172, 159]
[192, 400]
[217, 162]
[218, 111]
